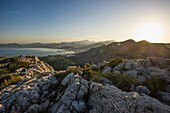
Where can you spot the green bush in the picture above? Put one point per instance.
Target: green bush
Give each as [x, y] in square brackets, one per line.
[3, 59]
[96, 77]
[43, 74]
[115, 62]
[11, 59]
[3, 71]
[87, 65]
[92, 74]
[14, 59]
[7, 80]
[13, 66]
[122, 81]
[109, 76]
[156, 84]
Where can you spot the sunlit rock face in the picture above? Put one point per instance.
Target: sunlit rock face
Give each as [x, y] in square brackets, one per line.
[73, 93]
[139, 68]
[37, 66]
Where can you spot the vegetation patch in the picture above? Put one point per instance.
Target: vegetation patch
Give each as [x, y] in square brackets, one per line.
[16, 65]
[156, 84]
[3, 71]
[122, 81]
[9, 79]
[115, 62]
[57, 62]
[43, 74]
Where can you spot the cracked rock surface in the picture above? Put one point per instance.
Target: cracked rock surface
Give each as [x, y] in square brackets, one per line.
[77, 95]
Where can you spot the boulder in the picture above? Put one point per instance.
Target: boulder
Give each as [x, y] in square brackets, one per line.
[67, 79]
[105, 81]
[132, 87]
[79, 106]
[155, 71]
[35, 98]
[71, 67]
[119, 67]
[163, 97]
[159, 62]
[129, 65]
[141, 79]
[102, 64]
[106, 70]
[142, 89]
[167, 88]
[110, 99]
[132, 73]
[33, 109]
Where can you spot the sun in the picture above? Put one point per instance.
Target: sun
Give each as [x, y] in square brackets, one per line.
[151, 32]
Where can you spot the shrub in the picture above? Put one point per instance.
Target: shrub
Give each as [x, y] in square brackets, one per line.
[91, 74]
[87, 65]
[115, 62]
[123, 81]
[3, 71]
[109, 76]
[7, 80]
[156, 84]
[3, 59]
[43, 74]
[13, 66]
[96, 77]
[14, 59]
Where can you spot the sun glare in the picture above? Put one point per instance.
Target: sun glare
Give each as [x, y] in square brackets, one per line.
[151, 32]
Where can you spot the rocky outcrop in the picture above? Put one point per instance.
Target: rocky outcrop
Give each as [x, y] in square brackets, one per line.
[74, 94]
[145, 68]
[35, 95]
[37, 66]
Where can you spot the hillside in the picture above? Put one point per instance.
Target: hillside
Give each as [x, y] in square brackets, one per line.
[130, 86]
[127, 50]
[83, 45]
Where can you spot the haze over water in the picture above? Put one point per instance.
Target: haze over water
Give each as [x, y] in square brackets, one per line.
[9, 52]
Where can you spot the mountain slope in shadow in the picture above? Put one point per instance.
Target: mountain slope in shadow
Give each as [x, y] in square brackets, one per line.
[128, 49]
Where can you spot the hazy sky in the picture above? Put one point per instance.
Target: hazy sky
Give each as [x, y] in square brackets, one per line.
[66, 20]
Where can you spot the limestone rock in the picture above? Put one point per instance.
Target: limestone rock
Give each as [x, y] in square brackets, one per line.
[142, 89]
[79, 106]
[141, 79]
[33, 109]
[167, 88]
[164, 97]
[105, 81]
[132, 73]
[106, 70]
[102, 64]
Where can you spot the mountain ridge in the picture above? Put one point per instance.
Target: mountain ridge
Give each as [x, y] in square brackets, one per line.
[128, 49]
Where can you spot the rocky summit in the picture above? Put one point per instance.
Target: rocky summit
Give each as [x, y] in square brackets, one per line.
[128, 86]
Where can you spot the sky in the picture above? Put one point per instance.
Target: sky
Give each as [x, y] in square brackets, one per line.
[26, 21]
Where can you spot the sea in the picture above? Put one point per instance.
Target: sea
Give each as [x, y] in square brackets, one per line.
[10, 52]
